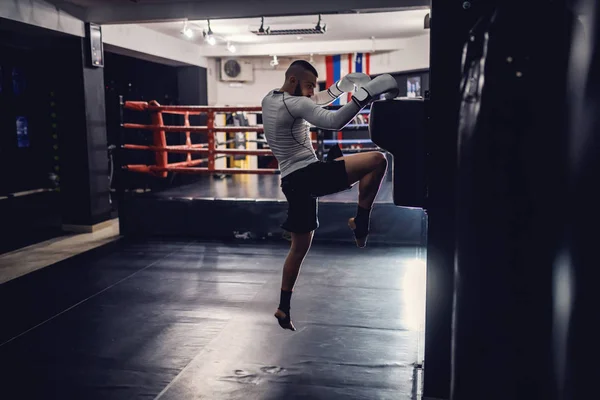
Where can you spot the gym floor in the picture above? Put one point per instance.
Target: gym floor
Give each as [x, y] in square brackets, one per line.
[186, 319]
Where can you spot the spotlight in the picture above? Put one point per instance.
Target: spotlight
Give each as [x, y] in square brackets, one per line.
[187, 31]
[274, 62]
[208, 36]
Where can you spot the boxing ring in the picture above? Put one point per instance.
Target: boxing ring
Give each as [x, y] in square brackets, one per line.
[161, 149]
[229, 201]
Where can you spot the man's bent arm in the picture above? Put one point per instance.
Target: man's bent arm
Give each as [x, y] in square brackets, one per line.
[305, 108]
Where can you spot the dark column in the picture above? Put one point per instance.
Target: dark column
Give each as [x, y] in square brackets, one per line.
[450, 24]
[81, 129]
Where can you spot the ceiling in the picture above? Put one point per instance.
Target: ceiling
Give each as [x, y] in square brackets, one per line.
[135, 11]
[352, 25]
[388, 25]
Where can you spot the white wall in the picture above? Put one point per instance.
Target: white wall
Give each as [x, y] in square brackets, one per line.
[266, 78]
[246, 93]
[287, 49]
[413, 55]
[147, 41]
[42, 14]
[212, 82]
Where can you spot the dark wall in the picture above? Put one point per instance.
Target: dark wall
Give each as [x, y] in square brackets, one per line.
[191, 82]
[26, 164]
[26, 84]
[57, 106]
[45, 82]
[67, 114]
[135, 80]
[80, 128]
[192, 85]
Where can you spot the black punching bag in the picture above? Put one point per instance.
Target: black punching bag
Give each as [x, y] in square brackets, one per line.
[510, 199]
[576, 288]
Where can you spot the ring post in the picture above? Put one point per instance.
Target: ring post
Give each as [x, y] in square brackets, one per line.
[118, 157]
[211, 140]
[160, 140]
[188, 140]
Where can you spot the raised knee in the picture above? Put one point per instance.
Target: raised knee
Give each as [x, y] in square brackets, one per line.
[379, 160]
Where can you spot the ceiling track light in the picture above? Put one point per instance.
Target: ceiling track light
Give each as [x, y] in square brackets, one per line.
[262, 30]
[208, 36]
[320, 28]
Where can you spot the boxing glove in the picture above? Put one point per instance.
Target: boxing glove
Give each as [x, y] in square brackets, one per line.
[353, 81]
[383, 84]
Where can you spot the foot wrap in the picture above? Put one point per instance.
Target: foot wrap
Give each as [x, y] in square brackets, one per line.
[284, 320]
[362, 219]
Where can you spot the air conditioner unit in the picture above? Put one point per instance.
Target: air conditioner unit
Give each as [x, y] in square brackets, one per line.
[235, 70]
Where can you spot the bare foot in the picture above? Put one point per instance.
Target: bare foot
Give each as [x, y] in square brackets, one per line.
[284, 320]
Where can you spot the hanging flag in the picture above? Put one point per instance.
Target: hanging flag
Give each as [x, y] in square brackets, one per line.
[362, 63]
[334, 71]
[338, 66]
[358, 62]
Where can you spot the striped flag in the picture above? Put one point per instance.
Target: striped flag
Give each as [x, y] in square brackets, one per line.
[362, 63]
[340, 65]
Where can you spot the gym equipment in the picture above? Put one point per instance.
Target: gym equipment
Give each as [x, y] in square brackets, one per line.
[510, 193]
[190, 166]
[398, 126]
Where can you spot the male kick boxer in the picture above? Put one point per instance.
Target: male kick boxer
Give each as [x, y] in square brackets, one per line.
[286, 113]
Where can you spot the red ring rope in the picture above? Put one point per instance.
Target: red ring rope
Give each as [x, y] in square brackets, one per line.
[161, 149]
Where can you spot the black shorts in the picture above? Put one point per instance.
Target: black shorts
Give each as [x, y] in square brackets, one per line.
[302, 189]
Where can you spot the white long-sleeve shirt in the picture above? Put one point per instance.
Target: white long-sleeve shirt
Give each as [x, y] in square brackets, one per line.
[286, 120]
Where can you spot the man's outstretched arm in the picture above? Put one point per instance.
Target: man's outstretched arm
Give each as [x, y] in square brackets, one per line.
[305, 108]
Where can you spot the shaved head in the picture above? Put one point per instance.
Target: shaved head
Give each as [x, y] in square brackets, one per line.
[300, 79]
[299, 68]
